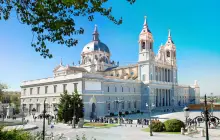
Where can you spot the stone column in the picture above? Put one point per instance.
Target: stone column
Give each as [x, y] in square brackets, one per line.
[169, 97]
[171, 75]
[159, 76]
[161, 97]
[165, 93]
[165, 76]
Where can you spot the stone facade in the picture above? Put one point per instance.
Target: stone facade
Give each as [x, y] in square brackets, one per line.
[101, 81]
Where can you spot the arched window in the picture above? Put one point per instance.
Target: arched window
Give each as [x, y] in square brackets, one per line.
[168, 53]
[129, 105]
[143, 45]
[109, 106]
[115, 89]
[151, 45]
[122, 89]
[135, 104]
[143, 77]
[174, 54]
[123, 106]
[132, 73]
[108, 88]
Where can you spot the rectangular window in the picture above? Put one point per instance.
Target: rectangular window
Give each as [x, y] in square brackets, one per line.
[31, 89]
[24, 91]
[121, 89]
[46, 89]
[38, 90]
[115, 89]
[108, 89]
[64, 87]
[55, 88]
[134, 89]
[75, 86]
[38, 108]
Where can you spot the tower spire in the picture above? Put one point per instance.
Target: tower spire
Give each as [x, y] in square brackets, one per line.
[145, 26]
[95, 34]
[61, 62]
[169, 33]
[145, 21]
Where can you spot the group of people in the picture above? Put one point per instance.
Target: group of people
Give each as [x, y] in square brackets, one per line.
[122, 120]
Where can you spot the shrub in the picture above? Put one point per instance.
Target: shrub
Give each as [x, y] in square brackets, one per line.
[112, 114]
[142, 113]
[126, 112]
[173, 125]
[120, 113]
[15, 135]
[157, 126]
[132, 112]
[138, 111]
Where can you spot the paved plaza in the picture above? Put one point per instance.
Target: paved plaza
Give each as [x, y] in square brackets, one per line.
[127, 132]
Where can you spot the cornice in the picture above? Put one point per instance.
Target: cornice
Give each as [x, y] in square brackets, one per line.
[52, 82]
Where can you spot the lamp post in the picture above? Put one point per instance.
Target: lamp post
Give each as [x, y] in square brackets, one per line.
[33, 112]
[118, 101]
[150, 107]
[206, 119]
[212, 101]
[186, 113]
[173, 103]
[74, 116]
[44, 111]
[55, 113]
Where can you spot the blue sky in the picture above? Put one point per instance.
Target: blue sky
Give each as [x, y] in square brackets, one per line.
[194, 25]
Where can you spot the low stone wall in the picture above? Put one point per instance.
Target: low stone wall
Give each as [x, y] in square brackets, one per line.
[216, 107]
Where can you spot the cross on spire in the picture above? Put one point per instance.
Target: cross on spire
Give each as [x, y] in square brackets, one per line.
[61, 62]
[95, 34]
[169, 33]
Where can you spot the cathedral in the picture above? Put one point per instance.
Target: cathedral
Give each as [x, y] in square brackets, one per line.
[106, 87]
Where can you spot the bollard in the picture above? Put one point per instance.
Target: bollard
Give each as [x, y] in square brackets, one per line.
[195, 128]
[182, 131]
[136, 125]
[131, 125]
[188, 130]
[202, 133]
[142, 126]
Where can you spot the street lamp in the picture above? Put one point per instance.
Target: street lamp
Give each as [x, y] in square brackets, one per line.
[150, 107]
[212, 101]
[186, 113]
[55, 112]
[33, 112]
[118, 101]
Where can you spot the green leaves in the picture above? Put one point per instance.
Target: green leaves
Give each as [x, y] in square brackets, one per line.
[70, 105]
[53, 21]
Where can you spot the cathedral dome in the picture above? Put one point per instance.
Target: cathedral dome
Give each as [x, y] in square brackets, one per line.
[95, 45]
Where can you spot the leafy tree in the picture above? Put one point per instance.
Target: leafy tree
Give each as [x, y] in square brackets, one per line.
[2, 87]
[68, 105]
[54, 20]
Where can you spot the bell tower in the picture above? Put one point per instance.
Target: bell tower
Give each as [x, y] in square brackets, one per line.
[145, 43]
[146, 55]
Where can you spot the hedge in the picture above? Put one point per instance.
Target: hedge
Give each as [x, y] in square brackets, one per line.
[157, 126]
[173, 125]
